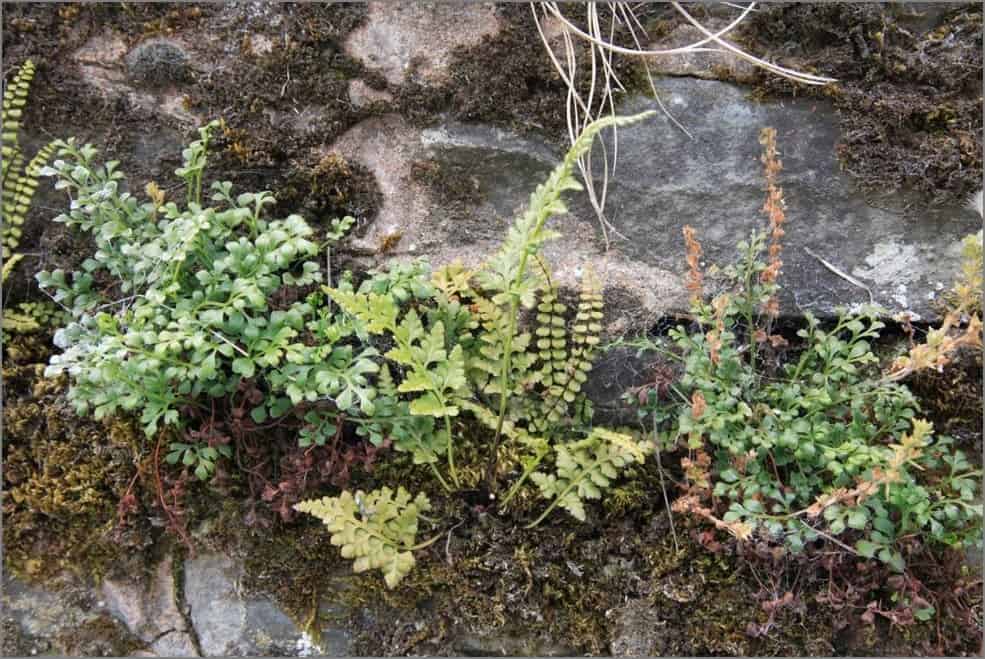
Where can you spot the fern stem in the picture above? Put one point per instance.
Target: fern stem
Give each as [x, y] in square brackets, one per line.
[451, 451]
[522, 480]
[750, 322]
[441, 480]
[557, 500]
[426, 543]
[563, 494]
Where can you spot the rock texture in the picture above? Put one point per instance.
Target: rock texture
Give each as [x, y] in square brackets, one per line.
[230, 622]
[148, 606]
[713, 181]
[475, 179]
[68, 619]
[411, 41]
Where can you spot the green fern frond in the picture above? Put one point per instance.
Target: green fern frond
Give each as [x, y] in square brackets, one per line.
[376, 529]
[506, 276]
[19, 323]
[585, 468]
[14, 100]
[506, 272]
[486, 366]
[9, 264]
[19, 183]
[565, 368]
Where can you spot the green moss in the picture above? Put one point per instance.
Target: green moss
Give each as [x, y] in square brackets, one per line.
[908, 119]
[62, 479]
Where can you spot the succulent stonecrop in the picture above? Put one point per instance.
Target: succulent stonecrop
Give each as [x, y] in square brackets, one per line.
[377, 530]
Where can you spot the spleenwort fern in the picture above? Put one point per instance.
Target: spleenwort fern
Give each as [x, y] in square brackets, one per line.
[19, 182]
[376, 529]
[564, 371]
[507, 275]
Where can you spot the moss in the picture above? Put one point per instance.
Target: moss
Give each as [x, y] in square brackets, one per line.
[332, 188]
[507, 80]
[908, 97]
[158, 63]
[102, 636]
[62, 479]
[952, 399]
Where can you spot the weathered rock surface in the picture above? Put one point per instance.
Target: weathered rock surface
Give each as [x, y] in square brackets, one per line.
[714, 182]
[362, 95]
[230, 622]
[638, 631]
[699, 64]
[414, 41]
[148, 605]
[144, 615]
[499, 169]
[151, 75]
[67, 619]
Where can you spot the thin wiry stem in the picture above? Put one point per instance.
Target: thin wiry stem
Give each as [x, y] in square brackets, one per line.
[583, 108]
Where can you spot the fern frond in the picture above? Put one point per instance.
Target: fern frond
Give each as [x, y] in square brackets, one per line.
[495, 324]
[9, 264]
[506, 276]
[19, 183]
[376, 529]
[19, 323]
[14, 100]
[506, 273]
[585, 468]
[568, 370]
[19, 186]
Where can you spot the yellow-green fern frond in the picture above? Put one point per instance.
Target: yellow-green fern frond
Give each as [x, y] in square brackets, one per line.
[19, 182]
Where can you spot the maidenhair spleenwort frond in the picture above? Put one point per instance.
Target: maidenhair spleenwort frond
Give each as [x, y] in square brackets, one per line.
[19, 182]
[506, 275]
[376, 529]
[585, 468]
[14, 100]
[565, 371]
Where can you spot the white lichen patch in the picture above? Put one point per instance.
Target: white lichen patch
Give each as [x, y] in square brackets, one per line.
[891, 264]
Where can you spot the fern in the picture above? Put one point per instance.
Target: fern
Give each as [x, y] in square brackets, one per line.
[19, 182]
[564, 368]
[436, 375]
[376, 529]
[584, 469]
[506, 275]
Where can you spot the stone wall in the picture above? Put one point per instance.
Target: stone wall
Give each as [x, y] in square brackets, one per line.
[405, 95]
